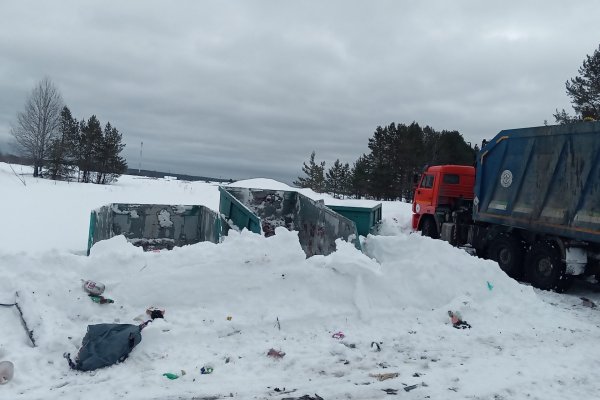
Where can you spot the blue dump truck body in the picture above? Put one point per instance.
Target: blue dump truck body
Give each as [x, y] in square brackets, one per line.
[544, 180]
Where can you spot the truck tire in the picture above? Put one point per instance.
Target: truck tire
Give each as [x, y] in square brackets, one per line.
[429, 228]
[508, 252]
[545, 268]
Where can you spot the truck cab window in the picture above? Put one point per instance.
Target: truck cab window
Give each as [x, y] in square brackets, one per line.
[427, 181]
[452, 179]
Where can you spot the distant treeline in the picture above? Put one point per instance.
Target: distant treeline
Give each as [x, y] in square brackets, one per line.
[397, 153]
[60, 147]
[85, 150]
[183, 177]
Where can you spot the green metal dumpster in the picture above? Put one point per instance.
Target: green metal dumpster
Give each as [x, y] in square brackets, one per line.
[262, 210]
[156, 226]
[365, 218]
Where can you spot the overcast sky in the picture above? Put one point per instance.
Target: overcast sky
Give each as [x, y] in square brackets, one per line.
[248, 88]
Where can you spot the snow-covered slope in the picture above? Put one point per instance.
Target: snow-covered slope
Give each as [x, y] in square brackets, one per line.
[394, 297]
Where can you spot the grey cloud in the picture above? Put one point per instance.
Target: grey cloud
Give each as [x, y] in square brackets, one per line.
[246, 89]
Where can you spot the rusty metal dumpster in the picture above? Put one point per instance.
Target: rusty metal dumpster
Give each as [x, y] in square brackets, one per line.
[261, 211]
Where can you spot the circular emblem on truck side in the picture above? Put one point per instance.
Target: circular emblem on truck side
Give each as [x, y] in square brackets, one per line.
[506, 178]
[418, 208]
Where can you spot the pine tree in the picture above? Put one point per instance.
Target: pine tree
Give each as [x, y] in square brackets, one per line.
[335, 179]
[111, 164]
[89, 143]
[60, 162]
[380, 161]
[584, 91]
[359, 177]
[314, 175]
[345, 180]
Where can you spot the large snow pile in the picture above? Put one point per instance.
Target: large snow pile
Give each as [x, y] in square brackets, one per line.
[393, 297]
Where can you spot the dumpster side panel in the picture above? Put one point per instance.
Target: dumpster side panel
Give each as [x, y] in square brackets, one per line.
[365, 218]
[544, 179]
[100, 226]
[156, 226]
[211, 226]
[232, 207]
[319, 227]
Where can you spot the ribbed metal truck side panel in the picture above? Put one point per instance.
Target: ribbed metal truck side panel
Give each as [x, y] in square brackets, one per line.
[544, 179]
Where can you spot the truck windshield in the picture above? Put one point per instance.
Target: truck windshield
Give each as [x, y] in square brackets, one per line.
[427, 181]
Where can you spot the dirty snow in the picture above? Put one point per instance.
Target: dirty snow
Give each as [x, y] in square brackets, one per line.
[227, 305]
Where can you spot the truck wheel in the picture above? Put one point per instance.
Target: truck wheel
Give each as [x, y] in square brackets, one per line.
[429, 228]
[507, 251]
[545, 268]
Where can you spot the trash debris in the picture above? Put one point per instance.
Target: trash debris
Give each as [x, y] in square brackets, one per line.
[338, 335]
[411, 387]
[377, 345]
[155, 312]
[390, 391]
[173, 376]
[457, 321]
[7, 371]
[100, 299]
[229, 318]
[93, 288]
[587, 302]
[106, 344]
[275, 353]
[490, 286]
[283, 391]
[305, 397]
[386, 376]
[234, 332]
[23, 322]
[349, 345]
[206, 370]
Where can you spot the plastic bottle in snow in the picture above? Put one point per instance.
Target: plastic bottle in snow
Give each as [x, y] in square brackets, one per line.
[93, 288]
[7, 371]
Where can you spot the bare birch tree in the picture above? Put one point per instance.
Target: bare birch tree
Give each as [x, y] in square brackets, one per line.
[38, 122]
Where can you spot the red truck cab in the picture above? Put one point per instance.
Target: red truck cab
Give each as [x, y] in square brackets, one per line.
[441, 190]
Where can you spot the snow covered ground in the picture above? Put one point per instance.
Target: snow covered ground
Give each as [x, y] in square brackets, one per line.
[523, 344]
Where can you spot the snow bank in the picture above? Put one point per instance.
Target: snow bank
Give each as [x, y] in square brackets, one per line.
[228, 304]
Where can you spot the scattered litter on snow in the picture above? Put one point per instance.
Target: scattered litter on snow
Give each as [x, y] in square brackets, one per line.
[172, 376]
[101, 299]
[385, 376]
[7, 371]
[457, 320]
[275, 354]
[338, 335]
[93, 288]
[397, 292]
[587, 302]
[206, 370]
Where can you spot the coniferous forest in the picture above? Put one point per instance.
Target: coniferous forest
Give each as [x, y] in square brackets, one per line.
[396, 153]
